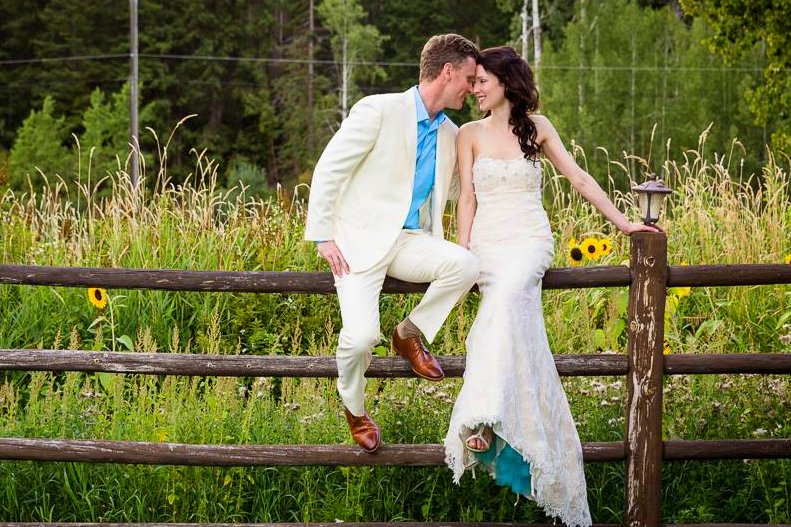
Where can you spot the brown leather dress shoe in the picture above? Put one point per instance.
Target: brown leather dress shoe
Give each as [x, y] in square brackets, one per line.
[364, 431]
[423, 363]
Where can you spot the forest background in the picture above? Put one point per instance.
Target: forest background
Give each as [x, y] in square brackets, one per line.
[267, 81]
[230, 96]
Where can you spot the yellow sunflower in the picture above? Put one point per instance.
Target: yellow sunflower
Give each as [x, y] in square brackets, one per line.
[605, 246]
[681, 292]
[666, 348]
[574, 253]
[97, 297]
[590, 248]
[788, 258]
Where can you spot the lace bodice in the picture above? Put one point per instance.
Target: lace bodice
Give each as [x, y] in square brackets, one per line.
[508, 193]
[496, 176]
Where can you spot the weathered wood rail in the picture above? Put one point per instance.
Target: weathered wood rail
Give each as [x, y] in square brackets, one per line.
[415, 455]
[381, 367]
[644, 366]
[322, 283]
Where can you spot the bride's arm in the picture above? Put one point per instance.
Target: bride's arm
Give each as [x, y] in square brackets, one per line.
[465, 208]
[552, 147]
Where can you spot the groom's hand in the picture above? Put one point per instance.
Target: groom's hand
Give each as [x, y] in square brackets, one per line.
[330, 252]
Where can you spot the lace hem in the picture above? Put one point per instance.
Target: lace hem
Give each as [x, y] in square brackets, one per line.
[560, 491]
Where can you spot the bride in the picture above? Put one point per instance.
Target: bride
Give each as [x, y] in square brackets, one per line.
[511, 415]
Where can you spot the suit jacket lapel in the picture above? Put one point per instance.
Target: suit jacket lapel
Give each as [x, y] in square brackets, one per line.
[410, 131]
[444, 169]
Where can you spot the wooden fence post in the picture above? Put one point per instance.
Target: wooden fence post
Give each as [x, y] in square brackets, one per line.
[644, 379]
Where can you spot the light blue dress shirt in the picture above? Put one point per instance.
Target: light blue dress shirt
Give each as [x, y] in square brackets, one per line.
[426, 160]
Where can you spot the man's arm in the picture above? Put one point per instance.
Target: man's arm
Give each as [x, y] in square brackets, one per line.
[347, 148]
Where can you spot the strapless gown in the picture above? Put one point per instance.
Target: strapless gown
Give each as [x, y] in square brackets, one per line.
[510, 380]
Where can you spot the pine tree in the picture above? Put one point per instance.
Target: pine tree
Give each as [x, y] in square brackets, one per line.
[39, 149]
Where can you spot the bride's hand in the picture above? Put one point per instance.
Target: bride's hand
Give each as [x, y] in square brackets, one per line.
[639, 227]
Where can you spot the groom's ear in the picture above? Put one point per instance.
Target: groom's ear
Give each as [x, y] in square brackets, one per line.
[447, 71]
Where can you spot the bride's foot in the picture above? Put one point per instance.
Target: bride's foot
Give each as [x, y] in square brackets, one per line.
[480, 439]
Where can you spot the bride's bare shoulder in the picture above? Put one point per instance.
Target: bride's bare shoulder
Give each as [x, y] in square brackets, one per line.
[544, 127]
[540, 120]
[466, 136]
[472, 125]
[473, 128]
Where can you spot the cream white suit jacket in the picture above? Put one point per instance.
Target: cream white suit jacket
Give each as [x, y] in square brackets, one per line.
[362, 184]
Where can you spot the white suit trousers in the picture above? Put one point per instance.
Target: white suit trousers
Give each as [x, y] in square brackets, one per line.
[415, 257]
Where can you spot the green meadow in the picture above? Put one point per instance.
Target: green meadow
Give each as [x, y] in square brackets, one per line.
[716, 215]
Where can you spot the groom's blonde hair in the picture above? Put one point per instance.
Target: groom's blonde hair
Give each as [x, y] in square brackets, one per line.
[443, 49]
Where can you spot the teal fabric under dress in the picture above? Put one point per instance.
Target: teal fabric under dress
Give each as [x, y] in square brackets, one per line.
[510, 469]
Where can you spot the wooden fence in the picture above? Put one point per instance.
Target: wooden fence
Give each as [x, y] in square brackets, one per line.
[644, 366]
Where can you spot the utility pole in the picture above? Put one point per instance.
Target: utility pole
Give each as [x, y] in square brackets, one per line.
[311, 30]
[133, 118]
[524, 30]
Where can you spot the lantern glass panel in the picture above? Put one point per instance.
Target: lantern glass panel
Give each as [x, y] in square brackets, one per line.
[651, 206]
[643, 201]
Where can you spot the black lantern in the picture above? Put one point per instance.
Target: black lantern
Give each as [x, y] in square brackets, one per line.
[651, 196]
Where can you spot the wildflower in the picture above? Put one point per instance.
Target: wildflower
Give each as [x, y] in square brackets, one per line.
[97, 297]
[590, 248]
[671, 307]
[666, 350]
[681, 292]
[598, 387]
[788, 258]
[605, 246]
[574, 253]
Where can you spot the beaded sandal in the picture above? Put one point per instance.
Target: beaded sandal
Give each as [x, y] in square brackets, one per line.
[483, 434]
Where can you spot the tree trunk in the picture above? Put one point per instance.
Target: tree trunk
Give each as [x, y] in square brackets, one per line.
[311, 29]
[581, 76]
[344, 79]
[524, 31]
[536, 36]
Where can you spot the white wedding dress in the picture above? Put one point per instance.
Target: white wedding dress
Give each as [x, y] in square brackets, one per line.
[510, 380]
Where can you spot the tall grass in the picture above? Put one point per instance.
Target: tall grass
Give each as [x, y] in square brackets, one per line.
[717, 215]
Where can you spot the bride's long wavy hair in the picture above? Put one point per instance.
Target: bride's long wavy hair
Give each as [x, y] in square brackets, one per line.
[520, 89]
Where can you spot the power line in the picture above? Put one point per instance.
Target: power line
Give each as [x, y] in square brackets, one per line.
[416, 64]
[19, 85]
[11, 62]
[646, 68]
[275, 60]
[270, 60]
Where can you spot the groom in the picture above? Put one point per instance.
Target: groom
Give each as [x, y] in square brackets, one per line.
[375, 209]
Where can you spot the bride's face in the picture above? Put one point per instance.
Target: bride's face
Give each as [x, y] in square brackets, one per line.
[488, 89]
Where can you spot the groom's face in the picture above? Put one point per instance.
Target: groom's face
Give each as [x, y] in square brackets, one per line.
[460, 84]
